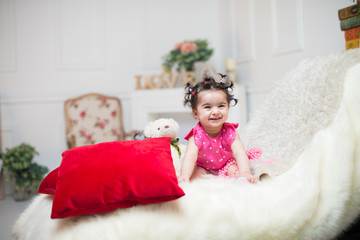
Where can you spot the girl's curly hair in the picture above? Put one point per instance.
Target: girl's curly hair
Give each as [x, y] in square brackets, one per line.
[207, 83]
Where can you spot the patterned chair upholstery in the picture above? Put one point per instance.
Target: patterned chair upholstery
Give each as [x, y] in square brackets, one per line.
[93, 118]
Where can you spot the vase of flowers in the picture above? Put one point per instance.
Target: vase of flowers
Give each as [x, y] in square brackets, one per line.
[185, 54]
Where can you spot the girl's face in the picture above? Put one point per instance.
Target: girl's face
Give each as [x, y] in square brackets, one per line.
[211, 110]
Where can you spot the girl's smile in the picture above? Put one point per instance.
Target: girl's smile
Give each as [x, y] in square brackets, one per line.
[212, 110]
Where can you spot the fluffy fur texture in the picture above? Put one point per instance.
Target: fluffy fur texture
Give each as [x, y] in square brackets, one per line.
[316, 198]
[301, 104]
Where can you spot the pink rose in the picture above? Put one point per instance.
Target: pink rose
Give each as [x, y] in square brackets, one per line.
[104, 101]
[116, 133]
[101, 125]
[188, 47]
[113, 113]
[178, 46]
[89, 137]
[82, 114]
[82, 133]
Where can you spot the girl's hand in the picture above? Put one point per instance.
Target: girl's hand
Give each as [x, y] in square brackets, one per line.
[249, 177]
[242, 160]
[182, 178]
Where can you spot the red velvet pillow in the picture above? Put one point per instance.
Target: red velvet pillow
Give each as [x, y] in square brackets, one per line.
[48, 184]
[106, 176]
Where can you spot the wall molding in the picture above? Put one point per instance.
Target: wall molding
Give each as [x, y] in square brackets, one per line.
[7, 31]
[243, 20]
[51, 98]
[146, 60]
[85, 51]
[10, 135]
[61, 138]
[294, 40]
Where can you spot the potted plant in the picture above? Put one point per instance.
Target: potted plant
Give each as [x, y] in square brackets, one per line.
[17, 161]
[186, 53]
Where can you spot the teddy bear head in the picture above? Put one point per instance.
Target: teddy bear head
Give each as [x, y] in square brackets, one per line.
[162, 127]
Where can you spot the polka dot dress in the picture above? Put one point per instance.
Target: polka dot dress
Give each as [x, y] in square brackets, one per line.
[214, 153]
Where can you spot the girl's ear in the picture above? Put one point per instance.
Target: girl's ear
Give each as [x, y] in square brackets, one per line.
[195, 114]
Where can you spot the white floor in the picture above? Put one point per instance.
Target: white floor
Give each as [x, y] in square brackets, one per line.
[9, 212]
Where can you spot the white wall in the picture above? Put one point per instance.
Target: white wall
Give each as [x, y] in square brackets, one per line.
[270, 37]
[54, 49]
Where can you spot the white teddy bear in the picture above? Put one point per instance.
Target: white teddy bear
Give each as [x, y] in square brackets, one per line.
[167, 127]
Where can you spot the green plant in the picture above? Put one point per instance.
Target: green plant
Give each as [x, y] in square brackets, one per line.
[18, 162]
[186, 53]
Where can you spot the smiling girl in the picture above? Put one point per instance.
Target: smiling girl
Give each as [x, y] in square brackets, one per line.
[214, 146]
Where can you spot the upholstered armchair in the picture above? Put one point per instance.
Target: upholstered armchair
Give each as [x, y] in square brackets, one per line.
[93, 118]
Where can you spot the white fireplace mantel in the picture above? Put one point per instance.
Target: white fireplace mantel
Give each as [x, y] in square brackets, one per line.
[148, 105]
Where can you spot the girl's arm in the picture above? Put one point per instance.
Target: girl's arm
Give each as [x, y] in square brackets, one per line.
[242, 160]
[189, 161]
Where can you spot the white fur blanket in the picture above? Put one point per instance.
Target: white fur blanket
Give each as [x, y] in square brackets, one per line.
[316, 198]
[301, 104]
